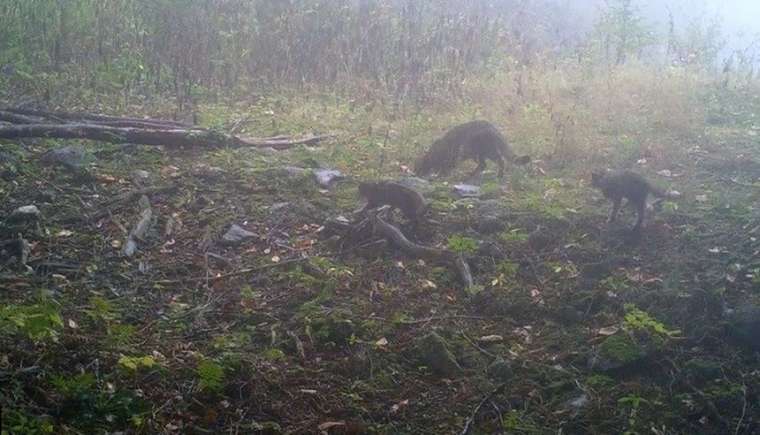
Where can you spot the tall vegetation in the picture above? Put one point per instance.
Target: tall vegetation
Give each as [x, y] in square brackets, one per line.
[410, 50]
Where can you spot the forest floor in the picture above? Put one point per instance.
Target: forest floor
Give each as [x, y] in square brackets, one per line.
[573, 327]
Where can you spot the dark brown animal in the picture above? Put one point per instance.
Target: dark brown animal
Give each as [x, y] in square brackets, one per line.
[408, 201]
[476, 140]
[629, 185]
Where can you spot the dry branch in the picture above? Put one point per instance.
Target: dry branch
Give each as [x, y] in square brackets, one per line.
[62, 117]
[113, 129]
[15, 118]
[144, 136]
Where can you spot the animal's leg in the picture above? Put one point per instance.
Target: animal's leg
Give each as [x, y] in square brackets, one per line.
[641, 208]
[615, 209]
[481, 166]
[500, 161]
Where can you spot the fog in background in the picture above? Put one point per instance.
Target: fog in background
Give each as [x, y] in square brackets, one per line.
[739, 20]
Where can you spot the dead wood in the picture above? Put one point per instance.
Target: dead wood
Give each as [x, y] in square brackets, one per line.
[148, 136]
[147, 131]
[15, 118]
[83, 117]
[395, 236]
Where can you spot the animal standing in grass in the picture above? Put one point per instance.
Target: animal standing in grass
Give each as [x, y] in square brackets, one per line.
[629, 185]
[476, 140]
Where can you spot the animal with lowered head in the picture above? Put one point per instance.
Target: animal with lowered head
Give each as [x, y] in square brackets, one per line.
[475, 140]
[409, 201]
[629, 185]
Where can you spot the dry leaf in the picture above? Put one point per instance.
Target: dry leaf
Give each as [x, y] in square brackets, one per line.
[428, 284]
[382, 342]
[275, 259]
[397, 407]
[608, 330]
[491, 339]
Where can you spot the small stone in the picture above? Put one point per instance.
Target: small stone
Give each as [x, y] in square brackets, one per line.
[466, 190]
[326, 177]
[140, 177]
[27, 213]
[236, 234]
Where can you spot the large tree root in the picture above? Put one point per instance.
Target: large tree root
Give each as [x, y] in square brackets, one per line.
[395, 236]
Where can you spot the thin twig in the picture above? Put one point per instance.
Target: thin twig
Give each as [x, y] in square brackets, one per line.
[744, 411]
[430, 319]
[480, 349]
[471, 419]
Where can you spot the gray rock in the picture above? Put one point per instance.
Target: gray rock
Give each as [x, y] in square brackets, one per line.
[435, 353]
[236, 234]
[27, 213]
[500, 370]
[421, 185]
[466, 190]
[141, 177]
[71, 157]
[326, 177]
[743, 326]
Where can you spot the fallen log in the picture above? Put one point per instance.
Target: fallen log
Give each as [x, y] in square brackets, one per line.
[179, 137]
[86, 118]
[395, 236]
[15, 118]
